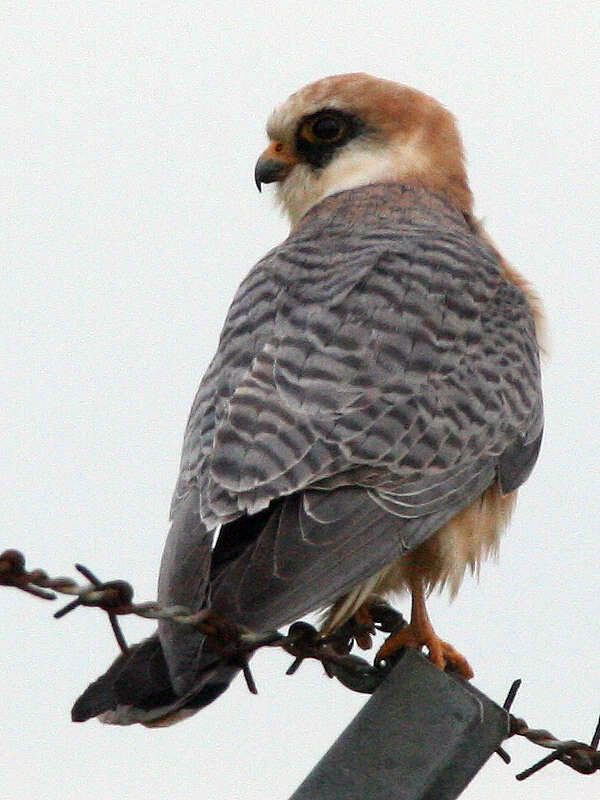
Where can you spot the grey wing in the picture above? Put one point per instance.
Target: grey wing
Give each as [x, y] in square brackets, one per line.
[366, 388]
[247, 330]
[401, 383]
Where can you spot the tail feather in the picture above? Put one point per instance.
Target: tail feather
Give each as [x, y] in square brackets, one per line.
[184, 581]
[137, 688]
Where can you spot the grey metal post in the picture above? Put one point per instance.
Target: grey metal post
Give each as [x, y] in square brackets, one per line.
[422, 735]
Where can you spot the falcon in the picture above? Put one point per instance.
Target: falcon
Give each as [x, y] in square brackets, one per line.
[373, 405]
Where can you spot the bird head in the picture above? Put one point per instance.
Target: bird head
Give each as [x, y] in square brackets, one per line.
[351, 130]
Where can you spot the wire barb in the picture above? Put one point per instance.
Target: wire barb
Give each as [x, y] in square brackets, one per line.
[596, 737]
[512, 693]
[581, 757]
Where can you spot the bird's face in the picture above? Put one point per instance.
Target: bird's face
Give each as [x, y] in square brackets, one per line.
[351, 130]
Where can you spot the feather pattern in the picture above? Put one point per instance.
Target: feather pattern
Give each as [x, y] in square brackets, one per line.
[380, 340]
[372, 407]
[375, 387]
[374, 373]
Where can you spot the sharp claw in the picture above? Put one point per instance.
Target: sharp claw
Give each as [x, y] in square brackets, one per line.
[441, 654]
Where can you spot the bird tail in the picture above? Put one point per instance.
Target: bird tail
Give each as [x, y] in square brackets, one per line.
[170, 675]
[137, 689]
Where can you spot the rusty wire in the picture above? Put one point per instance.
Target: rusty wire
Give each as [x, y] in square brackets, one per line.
[302, 641]
[233, 641]
[583, 758]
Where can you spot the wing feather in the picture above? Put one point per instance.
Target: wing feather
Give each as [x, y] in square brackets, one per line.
[375, 374]
[392, 345]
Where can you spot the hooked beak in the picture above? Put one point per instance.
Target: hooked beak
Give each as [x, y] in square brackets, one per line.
[275, 164]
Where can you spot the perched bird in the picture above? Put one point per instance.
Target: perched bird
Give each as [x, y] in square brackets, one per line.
[372, 407]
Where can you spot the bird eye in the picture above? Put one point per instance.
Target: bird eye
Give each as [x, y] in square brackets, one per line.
[320, 135]
[325, 129]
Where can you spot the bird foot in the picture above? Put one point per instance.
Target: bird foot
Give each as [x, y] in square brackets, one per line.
[442, 654]
[365, 627]
[372, 616]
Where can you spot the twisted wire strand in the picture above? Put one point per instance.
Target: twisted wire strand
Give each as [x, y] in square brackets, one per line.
[302, 641]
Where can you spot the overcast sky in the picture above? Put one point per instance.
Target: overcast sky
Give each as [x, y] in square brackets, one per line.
[129, 136]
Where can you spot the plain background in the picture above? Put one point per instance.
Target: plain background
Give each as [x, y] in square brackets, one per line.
[129, 216]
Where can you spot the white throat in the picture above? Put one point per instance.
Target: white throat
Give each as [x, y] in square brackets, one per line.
[356, 165]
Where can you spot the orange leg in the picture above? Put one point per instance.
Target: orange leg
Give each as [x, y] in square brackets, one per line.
[420, 633]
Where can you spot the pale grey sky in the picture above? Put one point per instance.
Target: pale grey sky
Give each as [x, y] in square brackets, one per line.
[129, 136]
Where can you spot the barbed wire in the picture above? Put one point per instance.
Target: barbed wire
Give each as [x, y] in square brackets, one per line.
[302, 641]
[235, 642]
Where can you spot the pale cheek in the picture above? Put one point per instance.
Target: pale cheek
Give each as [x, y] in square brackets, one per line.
[304, 187]
[348, 173]
[300, 190]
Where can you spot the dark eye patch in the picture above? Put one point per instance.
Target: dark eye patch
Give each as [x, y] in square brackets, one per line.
[319, 135]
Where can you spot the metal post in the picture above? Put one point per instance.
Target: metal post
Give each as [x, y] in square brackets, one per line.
[423, 735]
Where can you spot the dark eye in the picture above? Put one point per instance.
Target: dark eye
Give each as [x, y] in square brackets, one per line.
[324, 129]
[327, 128]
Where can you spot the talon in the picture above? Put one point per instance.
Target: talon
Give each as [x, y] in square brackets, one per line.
[365, 627]
[441, 653]
[358, 629]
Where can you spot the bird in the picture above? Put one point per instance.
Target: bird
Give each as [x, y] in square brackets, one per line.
[373, 405]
